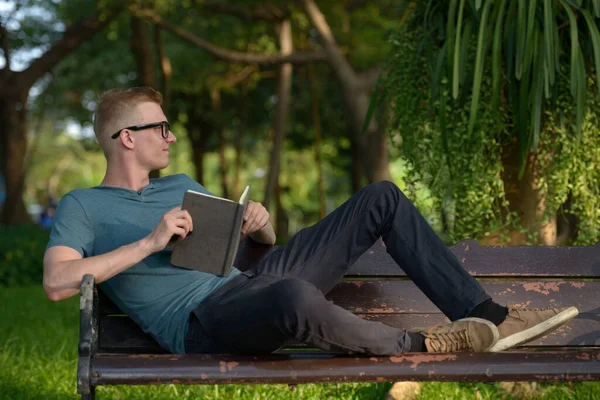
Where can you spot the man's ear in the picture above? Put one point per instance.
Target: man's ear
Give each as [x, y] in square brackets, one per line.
[127, 138]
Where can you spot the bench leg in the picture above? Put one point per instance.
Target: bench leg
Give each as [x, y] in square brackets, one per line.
[91, 395]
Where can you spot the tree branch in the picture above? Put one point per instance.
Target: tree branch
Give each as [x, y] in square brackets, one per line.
[233, 78]
[235, 56]
[336, 59]
[367, 79]
[267, 12]
[165, 68]
[74, 36]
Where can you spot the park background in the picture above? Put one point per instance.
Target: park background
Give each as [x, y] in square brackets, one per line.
[485, 113]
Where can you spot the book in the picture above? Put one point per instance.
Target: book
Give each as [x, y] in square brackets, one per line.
[212, 245]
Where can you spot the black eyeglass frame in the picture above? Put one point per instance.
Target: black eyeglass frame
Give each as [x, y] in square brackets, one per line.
[166, 128]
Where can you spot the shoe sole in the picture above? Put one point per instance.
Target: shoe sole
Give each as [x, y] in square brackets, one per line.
[536, 331]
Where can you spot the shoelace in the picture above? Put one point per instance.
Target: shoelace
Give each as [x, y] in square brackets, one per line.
[532, 309]
[449, 341]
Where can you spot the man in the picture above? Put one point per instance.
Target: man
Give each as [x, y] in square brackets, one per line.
[118, 232]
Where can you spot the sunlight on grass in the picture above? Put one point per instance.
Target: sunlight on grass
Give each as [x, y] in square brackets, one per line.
[38, 360]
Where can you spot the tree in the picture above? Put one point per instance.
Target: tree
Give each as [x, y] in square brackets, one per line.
[357, 86]
[357, 92]
[14, 93]
[502, 78]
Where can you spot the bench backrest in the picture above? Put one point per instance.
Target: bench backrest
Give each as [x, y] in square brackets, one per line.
[377, 289]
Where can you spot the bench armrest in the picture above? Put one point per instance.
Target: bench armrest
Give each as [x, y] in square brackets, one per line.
[88, 332]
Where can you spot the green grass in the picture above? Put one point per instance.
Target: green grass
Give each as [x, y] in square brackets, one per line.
[38, 360]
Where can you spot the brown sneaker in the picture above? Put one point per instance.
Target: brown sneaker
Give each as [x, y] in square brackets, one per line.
[467, 334]
[523, 325]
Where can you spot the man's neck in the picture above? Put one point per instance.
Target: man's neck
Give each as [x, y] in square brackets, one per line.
[126, 178]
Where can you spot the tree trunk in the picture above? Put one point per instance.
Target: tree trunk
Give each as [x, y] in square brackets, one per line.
[356, 172]
[140, 47]
[165, 69]
[283, 105]
[282, 220]
[14, 90]
[14, 142]
[374, 141]
[198, 156]
[199, 128]
[357, 90]
[240, 136]
[318, 140]
[215, 97]
[526, 200]
[198, 137]
[566, 224]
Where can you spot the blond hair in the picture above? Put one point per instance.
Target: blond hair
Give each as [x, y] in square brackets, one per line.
[114, 104]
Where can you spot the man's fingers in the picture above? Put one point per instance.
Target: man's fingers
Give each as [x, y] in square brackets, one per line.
[182, 215]
[264, 221]
[179, 232]
[181, 223]
[245, 228]
[256, 225]
[250, 214]
[188, 217]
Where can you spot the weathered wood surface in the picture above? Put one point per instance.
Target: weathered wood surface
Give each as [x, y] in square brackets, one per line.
[377, 289]
[464, 367]
[121, 335]
[406, 307]
[401, 296]
[404, 296]
[580, 261]
[398, 302]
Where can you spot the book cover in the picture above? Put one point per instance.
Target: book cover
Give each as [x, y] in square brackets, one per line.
[212, 245]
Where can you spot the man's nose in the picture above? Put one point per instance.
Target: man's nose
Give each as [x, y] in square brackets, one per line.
[171, 138]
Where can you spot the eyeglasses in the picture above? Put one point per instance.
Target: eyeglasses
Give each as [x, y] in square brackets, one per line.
[164, 125]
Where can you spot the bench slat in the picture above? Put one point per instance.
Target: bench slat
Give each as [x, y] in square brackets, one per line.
[401, 297]
[396, 296]
[121, 335]
[404, 296]
[577, 261]
[297, 369]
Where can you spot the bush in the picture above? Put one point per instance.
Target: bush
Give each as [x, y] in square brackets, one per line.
[21, 254]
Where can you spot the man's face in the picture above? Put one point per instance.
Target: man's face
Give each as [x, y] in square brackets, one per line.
[152, 150]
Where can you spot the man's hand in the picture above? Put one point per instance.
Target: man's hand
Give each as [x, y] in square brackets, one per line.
[255, 218]
[174, 222]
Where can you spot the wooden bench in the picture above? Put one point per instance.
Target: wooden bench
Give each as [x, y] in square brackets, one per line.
[114, 351]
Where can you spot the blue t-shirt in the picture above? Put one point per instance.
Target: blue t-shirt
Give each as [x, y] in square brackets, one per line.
[154, 293]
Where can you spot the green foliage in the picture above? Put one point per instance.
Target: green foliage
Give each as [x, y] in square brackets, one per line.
[462, 171]
[570, 167]
[61, 163]
[21, 253]
[527, 42]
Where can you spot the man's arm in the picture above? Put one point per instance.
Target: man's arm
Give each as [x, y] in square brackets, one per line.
[257, 224]
[64, 267]
[266, 235]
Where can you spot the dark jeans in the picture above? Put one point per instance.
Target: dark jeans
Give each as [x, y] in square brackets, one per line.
[283, 297]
